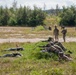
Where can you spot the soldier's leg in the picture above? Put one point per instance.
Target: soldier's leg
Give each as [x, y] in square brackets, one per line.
[60, 55]
[7, 55]
[67, 58]
[56, 37]
[64, 57]
[64, 37]
[60, 44]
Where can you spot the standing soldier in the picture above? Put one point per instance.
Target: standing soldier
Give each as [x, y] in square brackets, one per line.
[56, 33]
[64, 31]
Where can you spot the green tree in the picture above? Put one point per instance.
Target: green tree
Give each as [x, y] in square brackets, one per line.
[37, 17]
[1, 15]
[13, 14]
[4, 16]
[57, 10]
[24, 16]
[68, 16]
[19, 15]
[12, 19]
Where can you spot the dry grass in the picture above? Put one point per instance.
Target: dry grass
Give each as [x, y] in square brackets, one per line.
[27, 32]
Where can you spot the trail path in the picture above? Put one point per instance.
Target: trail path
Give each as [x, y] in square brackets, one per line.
[68, 39]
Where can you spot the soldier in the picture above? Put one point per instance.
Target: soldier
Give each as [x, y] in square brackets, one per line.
[56, 33]
[50, 39]
[11, 55]
[51, 47]
[15, 49]
[64, 31]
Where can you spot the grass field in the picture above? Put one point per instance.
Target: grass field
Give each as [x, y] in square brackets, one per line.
[35, 63]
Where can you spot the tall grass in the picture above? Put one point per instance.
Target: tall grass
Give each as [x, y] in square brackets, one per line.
[35, 63]
[27, 32]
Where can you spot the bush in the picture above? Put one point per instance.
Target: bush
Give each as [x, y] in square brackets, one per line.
[68, 16]
[45, 55]
[12, 22]
[57, 71]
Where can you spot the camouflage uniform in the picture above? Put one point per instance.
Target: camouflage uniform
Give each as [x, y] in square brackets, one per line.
[64, 31]
[54, 48]
[15, 49]
[11, 55]
[63, 56]
[51, 47]
[56, 33]
[60, 44]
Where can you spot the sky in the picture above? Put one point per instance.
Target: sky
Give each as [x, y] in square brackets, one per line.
[39, 3]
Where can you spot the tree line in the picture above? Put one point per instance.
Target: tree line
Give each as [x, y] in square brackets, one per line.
[25, 16]
[22, 16]
[68, 16]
